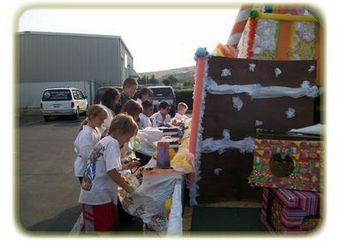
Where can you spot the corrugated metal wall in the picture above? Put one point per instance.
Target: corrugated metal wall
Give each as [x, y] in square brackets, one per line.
[60, 59]
[63, 57]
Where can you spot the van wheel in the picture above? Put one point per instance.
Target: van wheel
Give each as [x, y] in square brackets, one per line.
[46, 118]
[76, 115]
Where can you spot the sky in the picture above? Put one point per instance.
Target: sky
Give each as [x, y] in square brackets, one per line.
[158, 39]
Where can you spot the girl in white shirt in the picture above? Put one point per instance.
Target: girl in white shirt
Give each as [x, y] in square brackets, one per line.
[98, 196]
[109, 101]
[88, 136]
[144, 94]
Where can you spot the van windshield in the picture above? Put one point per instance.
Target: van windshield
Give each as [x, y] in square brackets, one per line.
[56, 95]
[162, 92]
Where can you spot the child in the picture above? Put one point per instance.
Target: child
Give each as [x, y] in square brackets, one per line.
[108, 102]
[87, 137]
[162, 117]
[144, 94]
[181, 110]
[130, 86]
[144, 118]
[180, 117]
[98, 196]
[133, 109]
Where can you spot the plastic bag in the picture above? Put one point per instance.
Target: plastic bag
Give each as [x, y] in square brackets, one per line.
[144, 141]
[183, 161]
[147, 201]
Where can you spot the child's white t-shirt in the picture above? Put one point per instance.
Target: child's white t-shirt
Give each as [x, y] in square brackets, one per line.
[104, 189]
[157, 119]
[181, 117]
[139, 101]
[86, 139]
[144, 121]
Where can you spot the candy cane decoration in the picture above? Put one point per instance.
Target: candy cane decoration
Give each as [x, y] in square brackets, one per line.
[229, 49]
[239, 25]
[201, 54]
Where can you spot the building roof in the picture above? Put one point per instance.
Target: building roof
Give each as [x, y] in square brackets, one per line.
[79, 35]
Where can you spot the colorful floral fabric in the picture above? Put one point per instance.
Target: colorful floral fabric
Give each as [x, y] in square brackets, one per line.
[306, 157]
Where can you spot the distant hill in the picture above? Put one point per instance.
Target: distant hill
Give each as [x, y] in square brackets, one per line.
[184, 73]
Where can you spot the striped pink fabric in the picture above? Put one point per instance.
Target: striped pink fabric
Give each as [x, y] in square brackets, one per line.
[289, 210]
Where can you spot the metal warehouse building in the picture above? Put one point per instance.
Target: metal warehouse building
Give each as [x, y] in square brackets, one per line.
[83, 61]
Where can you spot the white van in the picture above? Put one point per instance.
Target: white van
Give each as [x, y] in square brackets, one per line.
[63, 101]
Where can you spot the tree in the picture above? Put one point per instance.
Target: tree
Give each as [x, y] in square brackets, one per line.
[166, 82]
[173, 80]
[153, 80]
[188, 83]
[143, 80]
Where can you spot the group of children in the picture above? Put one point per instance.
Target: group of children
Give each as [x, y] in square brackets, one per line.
[99, 146]
[162, 117]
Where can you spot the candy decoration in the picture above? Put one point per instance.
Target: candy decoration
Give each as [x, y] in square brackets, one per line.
[225, 51]
[239, 25]
[196, 110]
[254, 14]
[201, 52]
[251, 39]
[268, 9]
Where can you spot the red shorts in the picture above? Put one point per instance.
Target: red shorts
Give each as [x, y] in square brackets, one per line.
[100, 217]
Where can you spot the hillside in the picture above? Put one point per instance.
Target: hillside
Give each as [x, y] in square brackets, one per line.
[179, 73]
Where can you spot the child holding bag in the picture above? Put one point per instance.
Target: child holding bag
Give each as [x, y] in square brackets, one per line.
[98, 196]
[88, 136]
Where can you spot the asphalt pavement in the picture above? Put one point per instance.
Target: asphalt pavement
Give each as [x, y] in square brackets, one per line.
[46, 191]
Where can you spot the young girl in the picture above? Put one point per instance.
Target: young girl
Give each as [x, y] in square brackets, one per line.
[133, 109]
[108, 102]
[88, 136]
[98, 196]
[145, 94]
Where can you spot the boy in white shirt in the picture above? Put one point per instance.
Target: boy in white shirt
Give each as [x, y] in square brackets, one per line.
[98, 196]
[162, 117]
[144, 118]
[181, 110]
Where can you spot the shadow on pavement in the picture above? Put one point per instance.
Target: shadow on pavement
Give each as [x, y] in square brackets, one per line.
[62, 222]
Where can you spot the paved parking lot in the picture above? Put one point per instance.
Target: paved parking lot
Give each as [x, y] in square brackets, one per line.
[46, 189]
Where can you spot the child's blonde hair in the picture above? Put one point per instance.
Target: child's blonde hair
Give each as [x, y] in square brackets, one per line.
[92, 111]
[95, 110]
[123, 123]
[182, 105]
